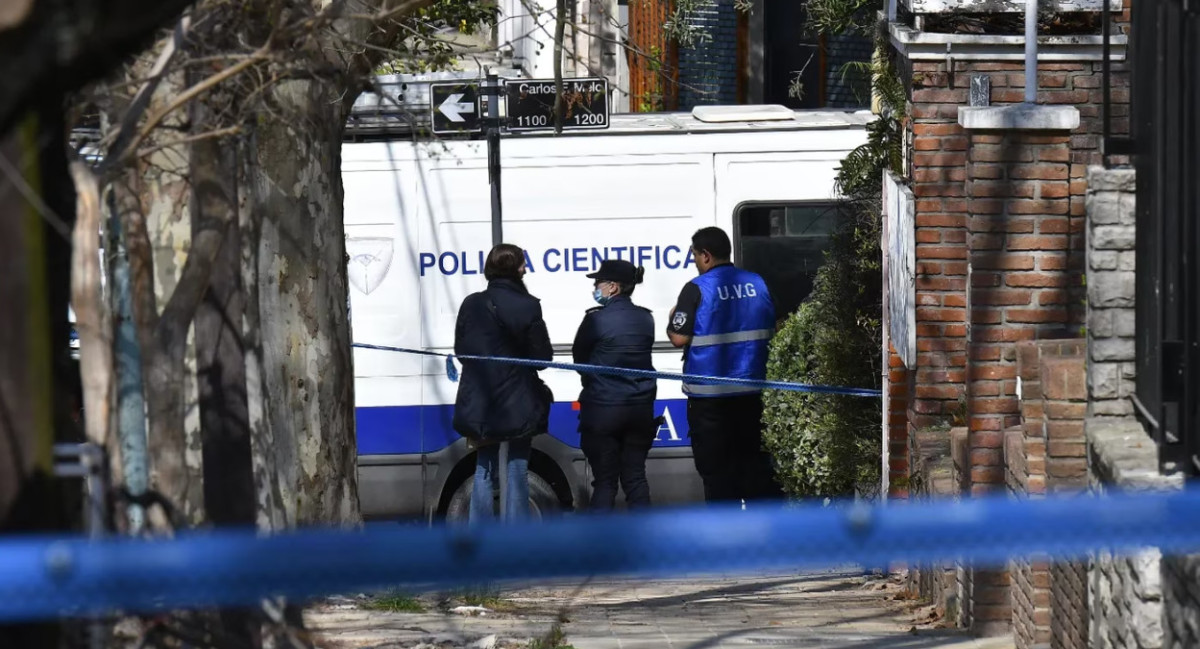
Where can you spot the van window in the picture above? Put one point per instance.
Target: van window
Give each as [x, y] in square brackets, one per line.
[785, 243]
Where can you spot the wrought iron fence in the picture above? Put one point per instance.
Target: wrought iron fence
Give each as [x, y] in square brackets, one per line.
[1165, 52]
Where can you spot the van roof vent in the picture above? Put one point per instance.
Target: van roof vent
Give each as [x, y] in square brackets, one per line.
[760, 113]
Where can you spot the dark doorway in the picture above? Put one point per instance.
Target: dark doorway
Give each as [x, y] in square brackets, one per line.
[788, 50]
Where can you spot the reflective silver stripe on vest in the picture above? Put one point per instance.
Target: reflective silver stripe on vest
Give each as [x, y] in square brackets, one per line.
[700, 389]
[735, 337]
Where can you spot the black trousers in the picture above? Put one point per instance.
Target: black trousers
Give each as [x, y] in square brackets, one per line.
[726, 434]
[616, 441]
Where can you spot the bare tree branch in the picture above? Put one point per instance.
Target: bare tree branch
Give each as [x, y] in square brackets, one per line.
[191, 93]
[91, 318]
[217, 133]
[124, 130]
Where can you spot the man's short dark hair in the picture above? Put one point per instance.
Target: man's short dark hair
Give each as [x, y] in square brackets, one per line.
[714, 241]
[504, 262]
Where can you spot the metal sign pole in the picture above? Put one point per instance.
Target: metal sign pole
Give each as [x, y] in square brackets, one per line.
[491, 90]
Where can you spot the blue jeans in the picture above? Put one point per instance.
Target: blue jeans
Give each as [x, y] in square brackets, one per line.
[487, 481]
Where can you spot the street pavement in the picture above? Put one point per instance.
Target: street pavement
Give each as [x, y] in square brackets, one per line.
[825, 610]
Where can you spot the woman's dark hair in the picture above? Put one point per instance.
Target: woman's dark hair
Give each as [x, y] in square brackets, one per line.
[714, 241]
[627, 287]
[504, 262]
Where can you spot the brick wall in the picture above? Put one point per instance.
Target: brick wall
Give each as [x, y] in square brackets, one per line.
[1000, 241]
[1030, 602]
[1019, 203]
[936, 168]
[1069, 617]
[708, 71]
[896, 387]
[1049, 601]
[1064, 405]
[934, 477]
[1064, 399]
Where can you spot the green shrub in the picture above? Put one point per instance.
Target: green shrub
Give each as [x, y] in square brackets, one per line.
[824, 444]
[830, 445]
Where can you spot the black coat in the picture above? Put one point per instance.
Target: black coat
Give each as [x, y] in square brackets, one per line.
[620, 334]
[499, 401]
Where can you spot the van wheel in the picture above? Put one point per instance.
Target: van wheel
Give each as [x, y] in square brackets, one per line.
[543, 502]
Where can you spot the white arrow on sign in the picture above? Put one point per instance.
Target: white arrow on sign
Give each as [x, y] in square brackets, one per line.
[453, 108]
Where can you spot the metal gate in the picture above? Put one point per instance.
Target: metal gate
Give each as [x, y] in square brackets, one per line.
[1165, 43]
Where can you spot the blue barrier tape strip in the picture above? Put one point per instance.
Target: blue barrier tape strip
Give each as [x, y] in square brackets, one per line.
[42, 578]
[622, 371]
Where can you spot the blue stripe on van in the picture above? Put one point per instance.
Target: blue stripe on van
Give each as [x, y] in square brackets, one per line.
[402, 430]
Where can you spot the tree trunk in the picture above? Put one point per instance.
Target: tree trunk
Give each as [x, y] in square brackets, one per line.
[221, 360]
[160, 247]
[91, 317]
[229, 494]
[300, 368]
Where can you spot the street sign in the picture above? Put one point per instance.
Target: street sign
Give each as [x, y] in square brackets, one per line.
[531, 104]
[454, 108]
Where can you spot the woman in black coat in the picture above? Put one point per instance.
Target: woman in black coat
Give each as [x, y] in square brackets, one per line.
[500, 401]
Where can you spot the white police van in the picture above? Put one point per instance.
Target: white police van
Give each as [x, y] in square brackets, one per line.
[418, 226]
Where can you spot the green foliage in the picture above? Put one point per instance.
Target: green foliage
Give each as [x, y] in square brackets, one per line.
[484, 596]
[424, 47]
[681, 24]
[823, 444]
[554, 639]
[829, 445]
[652, 100]
[841, 16]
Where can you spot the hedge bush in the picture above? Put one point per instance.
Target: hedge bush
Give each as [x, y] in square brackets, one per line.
[830, 445]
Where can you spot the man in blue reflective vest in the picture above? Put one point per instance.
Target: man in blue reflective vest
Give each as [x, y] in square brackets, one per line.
[725, 319]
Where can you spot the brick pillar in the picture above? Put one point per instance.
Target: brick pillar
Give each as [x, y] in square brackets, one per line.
[937, 173]
[1064, 402]
[1019, 267]
[1043, 614]
[1064, 399]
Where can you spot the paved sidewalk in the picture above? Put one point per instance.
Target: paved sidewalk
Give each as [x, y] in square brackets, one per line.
[815, 610]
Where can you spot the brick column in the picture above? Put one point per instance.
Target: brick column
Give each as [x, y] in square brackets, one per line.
[1020, 269]
[937, 172]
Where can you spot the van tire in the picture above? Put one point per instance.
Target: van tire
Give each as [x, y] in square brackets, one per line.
[543, 502]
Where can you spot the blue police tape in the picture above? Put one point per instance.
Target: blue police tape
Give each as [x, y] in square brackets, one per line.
[42, 578]
[622, 371]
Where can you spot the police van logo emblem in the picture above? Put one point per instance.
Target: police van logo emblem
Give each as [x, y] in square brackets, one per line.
[370, 260]
[679, 319]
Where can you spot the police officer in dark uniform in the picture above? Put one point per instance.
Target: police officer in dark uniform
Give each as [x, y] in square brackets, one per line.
[616, 413]
[725, 319]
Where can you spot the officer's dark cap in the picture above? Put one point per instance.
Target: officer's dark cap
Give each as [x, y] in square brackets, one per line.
[619, 271]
